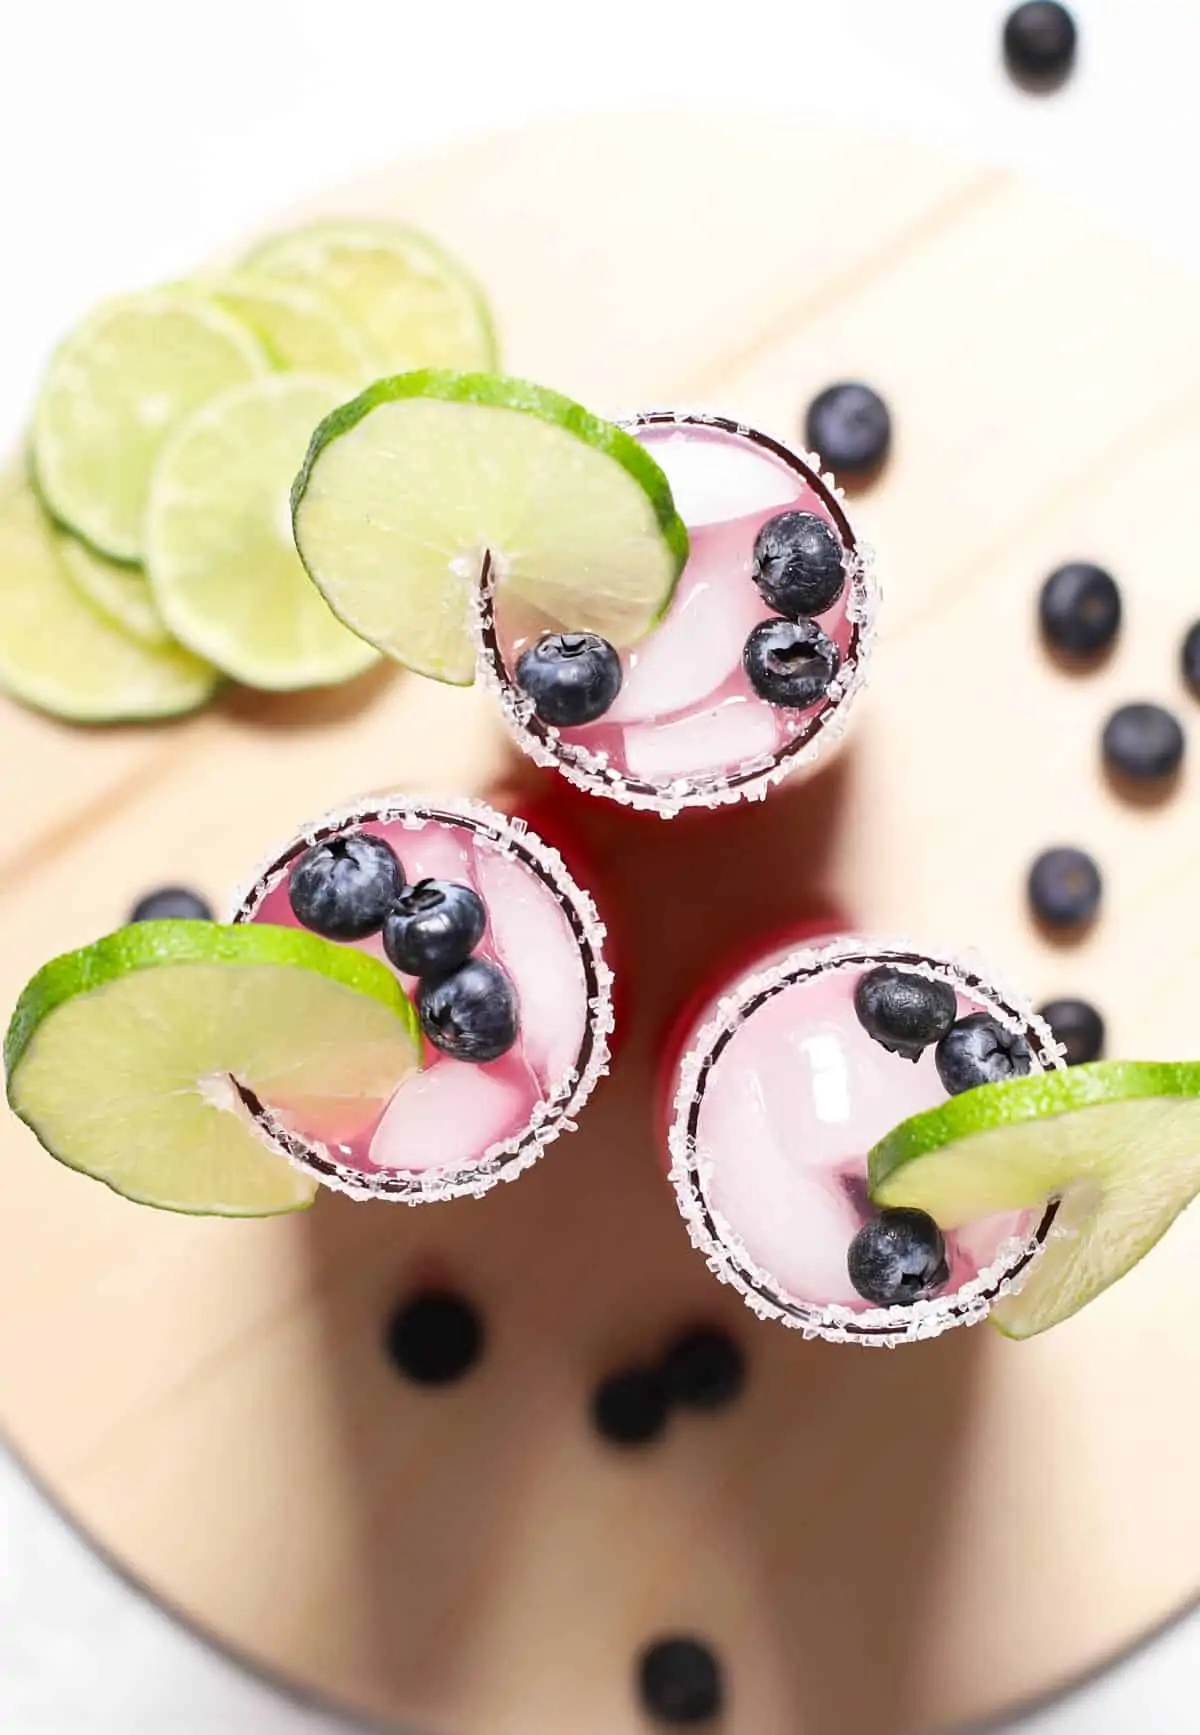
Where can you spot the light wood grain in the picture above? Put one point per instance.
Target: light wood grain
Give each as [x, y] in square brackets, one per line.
[877, 1544]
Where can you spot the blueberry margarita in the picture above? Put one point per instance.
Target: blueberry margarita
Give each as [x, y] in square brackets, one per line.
[748, 676]
[783, 1081]
[500, 953]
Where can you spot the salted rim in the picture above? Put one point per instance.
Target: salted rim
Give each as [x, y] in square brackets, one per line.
[554, 1113]
[754, 779]
[710, 1232]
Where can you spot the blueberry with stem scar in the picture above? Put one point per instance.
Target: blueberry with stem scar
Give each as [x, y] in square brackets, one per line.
[572, 678]
[799, 564]
[978, 1049]
[470, 1014]
[433, 927]
[344, 888]
[790, 663]
[897, 1258]
[902, 1011]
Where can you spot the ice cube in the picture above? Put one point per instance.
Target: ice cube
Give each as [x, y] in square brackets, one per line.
[715, 476]
[449, 1115]
[434, 853]
[697, 648]
[719, 739]
[532, 939]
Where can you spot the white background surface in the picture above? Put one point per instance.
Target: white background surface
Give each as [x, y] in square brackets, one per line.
[135, 137]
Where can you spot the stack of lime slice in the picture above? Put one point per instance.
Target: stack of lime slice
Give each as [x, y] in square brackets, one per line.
[166, 436]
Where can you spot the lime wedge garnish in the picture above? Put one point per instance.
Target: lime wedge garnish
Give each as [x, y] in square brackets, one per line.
[1117, 1143]
[219, 546]
[301, 329]
[405, 487]
[416, 305]
[59, 653]
[113, 393]
[121, 1057]
[119, 591]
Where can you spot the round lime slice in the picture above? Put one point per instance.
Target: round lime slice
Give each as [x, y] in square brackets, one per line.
[407, 486]
[113, 393]
[1117, 1143]
[416, 305]
[301, 329]
[120, 592]
[59, 653]
[219, 546]
[123, 1057]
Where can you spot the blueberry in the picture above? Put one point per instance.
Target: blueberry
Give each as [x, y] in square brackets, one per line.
[704, 1369]
[1189, 658]
[1039, 44]
[850, 429]
[1078, 1026]
[790, 662]
[1143, 743]
[897, 1258]
[434, 1337]
[470, 1014]
[1080, 609]
[1064, 888]
[904, 1013]
[629, 1408]
[345, 887]
[572, 678]
[799, 564]
[169, 903]
[433, 927]
[679, 1680]
[979, 1050]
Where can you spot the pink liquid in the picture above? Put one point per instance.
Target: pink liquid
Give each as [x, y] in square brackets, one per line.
[687, 727]
[455, 1126]
[769, 1145]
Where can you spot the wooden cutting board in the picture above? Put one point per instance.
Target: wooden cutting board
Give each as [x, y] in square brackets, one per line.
[877, 1544]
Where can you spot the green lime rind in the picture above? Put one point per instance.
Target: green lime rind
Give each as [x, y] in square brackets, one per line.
[119, 1056]
[555, 505]
[417, 305]
[1116, 1142]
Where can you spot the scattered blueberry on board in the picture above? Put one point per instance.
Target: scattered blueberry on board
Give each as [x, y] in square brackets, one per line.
[799, 564]
[1189, 659]
[849, 427]
[1143, 744]
[680, 1682]
[902, 1011]
[1040, 40]
[572, 678]
[172, 903]
[343, 888]
[1064, 888]
[1079, 608]
[897, 1258]
[1078, 1026]
[704, 1369]
[979, 1050]
[629, 1407]
[790, 663]
[434, 1337]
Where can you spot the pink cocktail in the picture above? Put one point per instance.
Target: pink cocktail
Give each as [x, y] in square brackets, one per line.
[774, 1096]
[688, 728]
[458, 1126]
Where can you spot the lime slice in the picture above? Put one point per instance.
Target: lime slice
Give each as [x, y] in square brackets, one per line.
[417, 306]
[62, 655]
[1117, 1142]
[405, 487]
[114, 391]
[121, 1056]
[219, 546]
[301, 329]
[120, 592]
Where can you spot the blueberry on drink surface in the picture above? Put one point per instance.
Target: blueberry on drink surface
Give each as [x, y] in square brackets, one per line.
[897, 1258]
[572, 678]
[172, 903]
[433, 927]
[1078, 1026]
[902, 1011]
[850, 428]
[1143, 742]
[790, 663]
[978, 1049]
[799, 564]
[679, 1681]
[1079, 608]
[343, 888]
[470, 1014]
[1064, 887]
